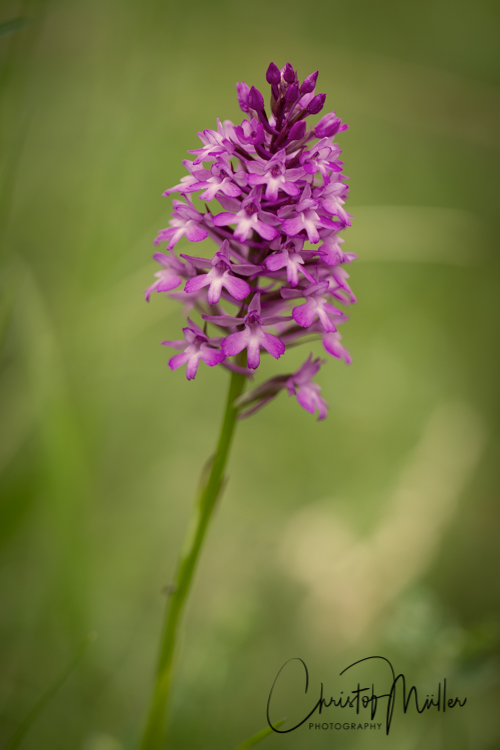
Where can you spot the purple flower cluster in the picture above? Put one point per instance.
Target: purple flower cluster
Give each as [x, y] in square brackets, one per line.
[279, 261]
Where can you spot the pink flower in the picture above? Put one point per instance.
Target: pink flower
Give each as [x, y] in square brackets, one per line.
[169, 277]
[303, 217]
[331, 342]
[215, 142]
[196, 346]
[323, 158]
[253, 337]
[186, 221]
[275, 176]
[247, 218]
[316, 306]
[220, 276]
[308, 393]
[291, 259]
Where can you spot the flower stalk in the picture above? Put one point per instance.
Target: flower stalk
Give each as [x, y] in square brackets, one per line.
[210, 489]
[271, 284]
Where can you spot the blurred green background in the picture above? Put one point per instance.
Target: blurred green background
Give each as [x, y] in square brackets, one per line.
[373, 532]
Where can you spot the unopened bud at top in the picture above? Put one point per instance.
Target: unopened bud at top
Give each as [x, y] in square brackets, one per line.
[256, 100]
[317, 104]
[273, 74]
[288, 73]
[292, 93]
[309, 84]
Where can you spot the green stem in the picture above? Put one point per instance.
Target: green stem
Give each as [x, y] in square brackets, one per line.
[154, 734]
[260, 736]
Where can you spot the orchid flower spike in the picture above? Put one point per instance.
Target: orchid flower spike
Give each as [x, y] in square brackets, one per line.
[270, 192]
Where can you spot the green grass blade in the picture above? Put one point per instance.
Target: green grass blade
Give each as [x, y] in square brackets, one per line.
[47, 696]
[8, 27]
[259, 736]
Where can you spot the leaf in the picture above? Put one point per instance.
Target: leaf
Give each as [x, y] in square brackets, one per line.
[260, 736]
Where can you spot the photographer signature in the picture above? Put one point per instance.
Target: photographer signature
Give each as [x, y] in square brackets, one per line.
[365, 697]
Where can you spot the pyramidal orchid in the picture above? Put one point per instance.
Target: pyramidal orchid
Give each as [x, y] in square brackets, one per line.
[270, 192]
[277, 195]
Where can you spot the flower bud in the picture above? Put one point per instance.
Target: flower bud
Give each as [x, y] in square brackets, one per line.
[317, 104]
[292, 94]
[330, 124]
[297, 131]
[273, 74]
[256, 100]
[309, 84]
[288, 73]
